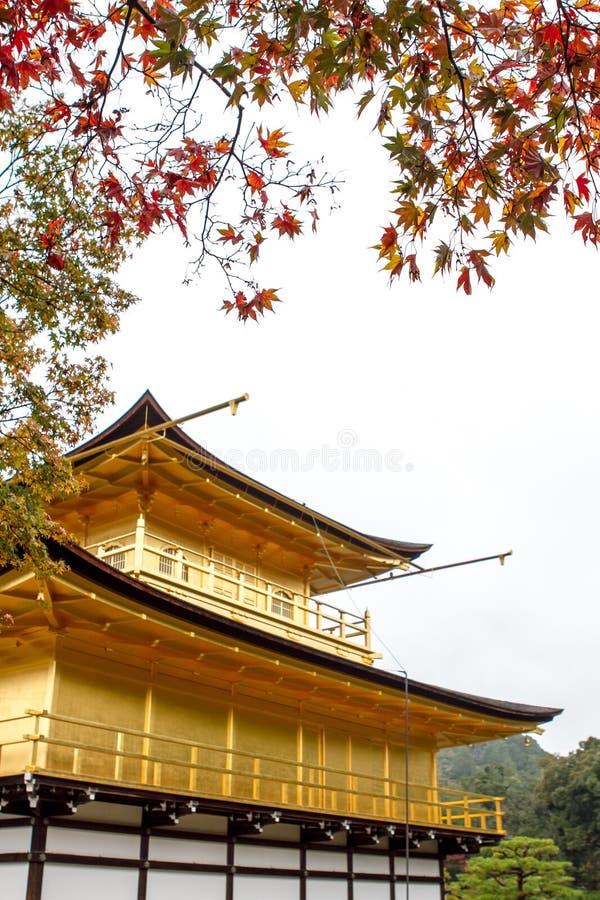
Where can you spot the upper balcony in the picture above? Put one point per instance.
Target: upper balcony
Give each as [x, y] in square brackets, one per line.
[235, 589]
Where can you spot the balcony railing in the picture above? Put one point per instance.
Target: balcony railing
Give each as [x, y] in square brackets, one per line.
[100, 754]
[232, 588]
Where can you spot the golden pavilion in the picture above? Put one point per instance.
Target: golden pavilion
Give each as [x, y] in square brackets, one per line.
[182, 714]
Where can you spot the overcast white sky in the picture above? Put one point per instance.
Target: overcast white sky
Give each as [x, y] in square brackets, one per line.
[482, 415]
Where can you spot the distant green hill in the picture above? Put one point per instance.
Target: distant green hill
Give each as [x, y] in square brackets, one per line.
[464, 762]
[506, 768]
[549, 796]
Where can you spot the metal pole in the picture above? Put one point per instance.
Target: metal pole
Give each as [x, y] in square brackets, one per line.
[393, 577]
[145, 432]
[406, 788]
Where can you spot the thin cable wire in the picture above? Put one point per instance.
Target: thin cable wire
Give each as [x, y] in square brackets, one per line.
[402, 671]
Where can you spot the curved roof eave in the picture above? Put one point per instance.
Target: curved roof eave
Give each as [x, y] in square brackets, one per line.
[88, 566]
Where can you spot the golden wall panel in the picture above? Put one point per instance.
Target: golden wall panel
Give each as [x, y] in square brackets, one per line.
[110, 696]
[260, 734]
[336, 783]
[192, 716]
[27, 685]
[368, 762]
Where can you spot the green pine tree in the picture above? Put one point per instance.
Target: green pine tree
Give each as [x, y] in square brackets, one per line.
[516, 869]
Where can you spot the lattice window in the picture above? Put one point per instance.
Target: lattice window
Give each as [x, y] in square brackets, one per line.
[227, 576]
[115, 557]
[282, 605]
[167, 564]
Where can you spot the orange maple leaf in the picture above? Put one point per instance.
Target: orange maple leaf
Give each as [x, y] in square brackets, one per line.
[229, 234]
[255, 181]
[273, 143]
[222, 146]
[265, 299]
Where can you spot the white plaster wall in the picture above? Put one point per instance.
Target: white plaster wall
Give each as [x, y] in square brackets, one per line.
[15, 840]
[364, 862]
[253, 887]
[327, 889]
[184, 886]
[92, 843]
[267, 857]
[67, 882]
[13, 877]
[419, 891]
[429, 867]
[328, 860]
[373, 890]
[187, 851]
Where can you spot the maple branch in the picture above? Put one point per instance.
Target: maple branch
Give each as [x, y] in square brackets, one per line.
[476, 160]
[139, 7]
[118, 52]
[211, 77]
[563, 15]
[230, 153]
[188, 104]
[206, 227]
[461, 80]
[135, 4]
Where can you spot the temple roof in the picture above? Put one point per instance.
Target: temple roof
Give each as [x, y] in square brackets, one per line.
[351, 555]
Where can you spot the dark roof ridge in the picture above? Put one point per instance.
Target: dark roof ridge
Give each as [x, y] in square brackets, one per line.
[111, 432]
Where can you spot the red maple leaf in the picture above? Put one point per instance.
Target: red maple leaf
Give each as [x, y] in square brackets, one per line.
[113, 188]
[5, 99]
[52, 8]
[582, 182]
[464, 280]
[114, 224]
[588, 227]
[477, 260]
[56, 261]
[77, 73]
[551, 35]
[287, 224]
[389, 237]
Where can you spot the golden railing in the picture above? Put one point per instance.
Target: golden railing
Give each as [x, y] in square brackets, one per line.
[101, 754]
[190, 572]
